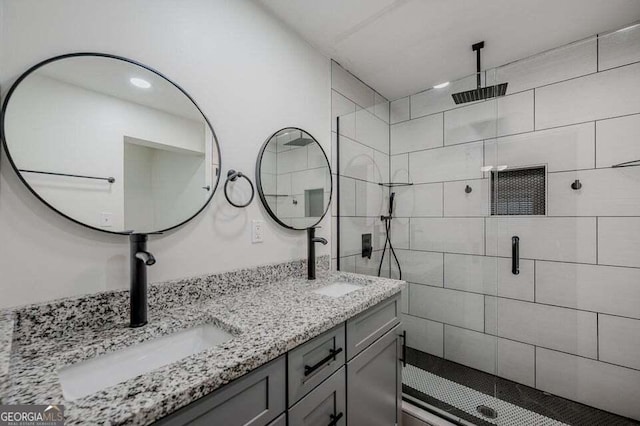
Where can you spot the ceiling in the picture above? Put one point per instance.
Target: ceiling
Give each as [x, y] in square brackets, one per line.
[400, 47]
[111, 77]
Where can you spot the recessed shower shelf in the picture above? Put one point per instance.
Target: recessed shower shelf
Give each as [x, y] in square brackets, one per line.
[394, 184]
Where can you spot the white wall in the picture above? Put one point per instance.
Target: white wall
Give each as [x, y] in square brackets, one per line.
[249, 75]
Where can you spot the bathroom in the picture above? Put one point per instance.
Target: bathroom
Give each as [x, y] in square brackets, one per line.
[322, 213]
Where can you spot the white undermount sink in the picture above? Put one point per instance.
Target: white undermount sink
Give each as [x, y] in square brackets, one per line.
[337, 289]
[93, 375]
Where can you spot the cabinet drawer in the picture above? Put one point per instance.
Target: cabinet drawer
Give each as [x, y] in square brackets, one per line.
[323, 406]
[252, 400]
[314, 361]
[374, 380]
[367, 327]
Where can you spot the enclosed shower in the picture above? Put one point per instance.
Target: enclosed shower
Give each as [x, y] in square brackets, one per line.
[514, 217]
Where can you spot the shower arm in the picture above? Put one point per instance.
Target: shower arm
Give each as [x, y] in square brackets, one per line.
[476, 48]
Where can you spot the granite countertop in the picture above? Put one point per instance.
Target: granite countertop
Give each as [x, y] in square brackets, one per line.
[269, 309]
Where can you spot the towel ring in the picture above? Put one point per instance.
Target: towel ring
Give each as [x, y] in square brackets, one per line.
[232, 176]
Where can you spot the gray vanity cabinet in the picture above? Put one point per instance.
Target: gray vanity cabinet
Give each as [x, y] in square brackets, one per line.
[311, 363]
[347, 376]
[252, 400]
[325, 405]
[374, 383]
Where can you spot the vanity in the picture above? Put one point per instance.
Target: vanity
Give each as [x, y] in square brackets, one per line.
[284, 344]
[296, 351]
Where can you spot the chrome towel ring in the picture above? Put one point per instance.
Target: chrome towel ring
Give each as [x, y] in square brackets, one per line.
[232, 176]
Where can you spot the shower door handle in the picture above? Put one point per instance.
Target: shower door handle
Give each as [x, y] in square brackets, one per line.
[515, 255]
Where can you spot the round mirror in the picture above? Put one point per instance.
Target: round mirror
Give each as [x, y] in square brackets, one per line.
[294, 178]
[110, 143]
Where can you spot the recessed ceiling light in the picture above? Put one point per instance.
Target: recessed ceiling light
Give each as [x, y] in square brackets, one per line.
[138, 82]
[441, 86]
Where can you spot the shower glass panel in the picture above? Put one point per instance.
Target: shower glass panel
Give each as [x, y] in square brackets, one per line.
[519, 236]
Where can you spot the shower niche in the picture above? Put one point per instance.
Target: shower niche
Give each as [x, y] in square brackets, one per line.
[519, 192]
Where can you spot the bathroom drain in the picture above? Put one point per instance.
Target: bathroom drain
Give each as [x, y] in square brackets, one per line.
[487, 411]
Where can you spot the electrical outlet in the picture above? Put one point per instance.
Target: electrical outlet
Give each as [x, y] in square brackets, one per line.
[257, 234]
[106, 220]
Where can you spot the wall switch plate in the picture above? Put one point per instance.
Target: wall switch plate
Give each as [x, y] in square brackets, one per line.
[257, 234]
[367, 248]
[106, 220]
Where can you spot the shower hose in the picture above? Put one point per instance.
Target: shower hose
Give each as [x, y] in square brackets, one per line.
[387, 226]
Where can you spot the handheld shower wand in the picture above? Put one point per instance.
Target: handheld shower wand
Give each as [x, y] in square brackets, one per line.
[387, 225]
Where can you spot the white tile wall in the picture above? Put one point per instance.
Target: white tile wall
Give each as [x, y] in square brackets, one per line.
[421, 267]
[604, 192]
[399, 110]
[619, 48]
[399, 232]
[347, 196]
[516, 361]
[563, 329]
[606, 94]
[349, 86]
[361, 162]
[381, 107]
[619, 341]
[559, 238]
[457, 202]
[372, 131]
[346, 110]
[617, 140]
[452, 235]
[619, 241]
[489, 275]
[351, 230]
[423, 334]
[370, 200]
[564, 148]
[414, 135]
[400, 168]
[612, 290]
[420, 200]
[591, 382]
[561, 64]
[404, 300]
[508, 115]
[448, 306]
[449, 163]
[347, 263]
[470, 348]
[368, 266]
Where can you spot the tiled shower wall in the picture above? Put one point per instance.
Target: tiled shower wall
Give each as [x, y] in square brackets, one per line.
[569, 323]
[364, 163]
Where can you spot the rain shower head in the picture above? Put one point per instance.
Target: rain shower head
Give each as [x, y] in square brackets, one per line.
[479, 93]
[301, 141]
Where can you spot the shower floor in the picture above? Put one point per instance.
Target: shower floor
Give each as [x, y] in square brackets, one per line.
[459, 390]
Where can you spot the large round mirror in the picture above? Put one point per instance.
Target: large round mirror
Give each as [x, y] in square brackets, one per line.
[110, 143]
[294, 178]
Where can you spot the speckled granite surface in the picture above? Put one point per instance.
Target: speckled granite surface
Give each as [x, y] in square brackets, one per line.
[270, 310]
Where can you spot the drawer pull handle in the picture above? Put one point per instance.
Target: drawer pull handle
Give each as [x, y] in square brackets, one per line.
[331, 357]
[335, 418]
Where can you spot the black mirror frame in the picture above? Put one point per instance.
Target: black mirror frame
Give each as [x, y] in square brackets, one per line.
[261, 191]
[120, 58]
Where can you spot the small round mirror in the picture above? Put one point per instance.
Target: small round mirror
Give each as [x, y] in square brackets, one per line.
[294, 178]
[110, 143]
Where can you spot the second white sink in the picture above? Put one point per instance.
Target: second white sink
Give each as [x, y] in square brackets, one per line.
[93, 375]
[337, 289]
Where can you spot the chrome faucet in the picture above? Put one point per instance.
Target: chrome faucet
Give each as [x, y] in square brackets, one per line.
[311, 251]
[140, 259]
